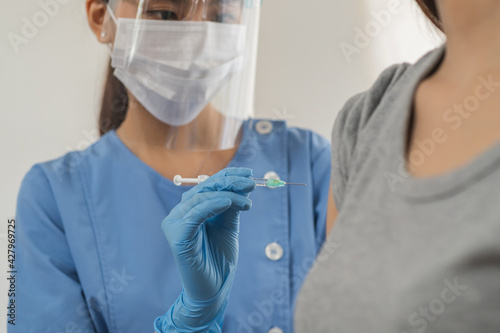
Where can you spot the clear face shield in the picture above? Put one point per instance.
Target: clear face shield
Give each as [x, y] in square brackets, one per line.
[189, 63]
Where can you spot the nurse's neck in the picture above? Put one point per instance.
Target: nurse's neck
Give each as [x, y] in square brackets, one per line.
[141, 127]
[146, 136]
[473, 38]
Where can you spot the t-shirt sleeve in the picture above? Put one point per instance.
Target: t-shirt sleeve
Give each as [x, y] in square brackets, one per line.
[49, 296]
[348, 127]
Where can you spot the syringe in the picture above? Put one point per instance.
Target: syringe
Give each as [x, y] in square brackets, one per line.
[261, 182]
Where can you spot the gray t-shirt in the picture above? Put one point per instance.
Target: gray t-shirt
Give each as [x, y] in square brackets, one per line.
[406, 254]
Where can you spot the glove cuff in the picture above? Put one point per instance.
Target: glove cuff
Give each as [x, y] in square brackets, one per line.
[187, 315]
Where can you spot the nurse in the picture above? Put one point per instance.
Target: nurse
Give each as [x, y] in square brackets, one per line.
[179, 101]
[416, 168]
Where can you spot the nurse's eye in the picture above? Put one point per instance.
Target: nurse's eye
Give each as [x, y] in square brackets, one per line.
[166, 15]
[224, 18]
[225, 11]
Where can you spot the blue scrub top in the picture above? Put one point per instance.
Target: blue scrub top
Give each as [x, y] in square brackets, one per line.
[91, 256]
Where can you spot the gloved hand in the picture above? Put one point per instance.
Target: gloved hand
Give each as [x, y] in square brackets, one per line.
[202, 232]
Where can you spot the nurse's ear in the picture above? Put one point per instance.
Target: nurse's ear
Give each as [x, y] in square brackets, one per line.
[99, 20]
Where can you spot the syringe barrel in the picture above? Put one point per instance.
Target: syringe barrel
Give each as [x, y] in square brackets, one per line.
[178, 180]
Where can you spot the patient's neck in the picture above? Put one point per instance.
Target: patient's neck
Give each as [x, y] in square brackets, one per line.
[473, 41]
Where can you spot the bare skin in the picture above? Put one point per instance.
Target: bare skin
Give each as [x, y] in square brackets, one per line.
[144, 135]
[473, 50]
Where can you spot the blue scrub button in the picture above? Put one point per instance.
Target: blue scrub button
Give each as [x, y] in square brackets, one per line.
[264, 127]
[274, 251]
[275, 330]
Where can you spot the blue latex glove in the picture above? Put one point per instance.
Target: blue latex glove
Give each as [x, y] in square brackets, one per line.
[202, 232]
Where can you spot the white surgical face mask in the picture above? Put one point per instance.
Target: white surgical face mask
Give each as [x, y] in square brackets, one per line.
[174, 69]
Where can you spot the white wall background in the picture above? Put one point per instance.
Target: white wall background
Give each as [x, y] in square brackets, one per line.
[50, 88]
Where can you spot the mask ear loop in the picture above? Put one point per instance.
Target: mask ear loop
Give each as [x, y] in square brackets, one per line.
[103, 33]
[113, 17]
[205, 9]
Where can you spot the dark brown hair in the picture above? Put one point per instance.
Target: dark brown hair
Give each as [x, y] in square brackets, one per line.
[114, 103]
[430, 10]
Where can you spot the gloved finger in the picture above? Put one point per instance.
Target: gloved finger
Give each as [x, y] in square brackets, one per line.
[238, 202]
[205, 210]
[235, 184]
[242, 172]
[192, 221]
[229, 183]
